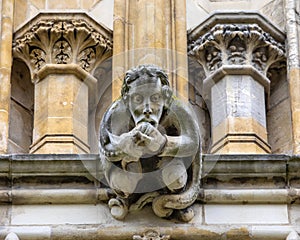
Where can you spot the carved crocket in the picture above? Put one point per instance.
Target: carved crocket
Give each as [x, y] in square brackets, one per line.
[150, 147]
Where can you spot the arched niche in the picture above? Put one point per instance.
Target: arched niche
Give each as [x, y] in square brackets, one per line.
[21, 109]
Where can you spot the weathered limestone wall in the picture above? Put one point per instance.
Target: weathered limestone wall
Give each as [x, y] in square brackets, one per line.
[100, 10]
[5, 70]
[151, 32]
[242, 197]
[54, 196]
[277, 105]
[199, 10]
[274, 11]
[279, 114]
[293, 42]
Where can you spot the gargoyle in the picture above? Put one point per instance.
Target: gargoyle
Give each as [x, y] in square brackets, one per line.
[150, 147]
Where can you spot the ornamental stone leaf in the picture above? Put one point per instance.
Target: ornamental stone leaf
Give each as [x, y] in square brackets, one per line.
[63, 41]
[236, 44]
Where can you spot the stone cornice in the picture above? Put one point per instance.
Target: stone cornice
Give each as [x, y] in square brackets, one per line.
[233, 17]
[66, 168]
[62, 38]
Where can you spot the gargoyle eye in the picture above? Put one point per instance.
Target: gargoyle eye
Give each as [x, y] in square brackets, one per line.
[136, 98]
[155, 97]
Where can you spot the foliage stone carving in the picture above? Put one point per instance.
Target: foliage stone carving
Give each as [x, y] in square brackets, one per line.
[236, 44]
[57, 41]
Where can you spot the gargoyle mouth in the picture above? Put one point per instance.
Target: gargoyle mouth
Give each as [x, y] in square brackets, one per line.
[148, 120]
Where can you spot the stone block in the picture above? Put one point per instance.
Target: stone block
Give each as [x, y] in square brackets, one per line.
[246, 214]
[61, 114]
[195, 13]
[294, 212]
[294, 172]
[4, 215]
[58, 214]
[245, 171]
[274, 11]
[20, 129]
[5, 87]
[87, 4]
[280, 128]
[22, 89]
[238, 96]
[3, 131]
[40, 4]
[238, 115]
[20, 15]
[66, 4]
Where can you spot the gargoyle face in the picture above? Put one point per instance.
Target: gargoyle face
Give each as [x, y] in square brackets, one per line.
[146, 100]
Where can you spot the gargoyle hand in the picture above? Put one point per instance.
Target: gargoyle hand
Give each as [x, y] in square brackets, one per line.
[150, 137]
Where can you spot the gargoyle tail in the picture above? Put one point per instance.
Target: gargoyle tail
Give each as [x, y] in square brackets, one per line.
[164, 205]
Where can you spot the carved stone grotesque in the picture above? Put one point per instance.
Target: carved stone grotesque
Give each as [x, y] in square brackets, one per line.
[150, 147]
[151, 235]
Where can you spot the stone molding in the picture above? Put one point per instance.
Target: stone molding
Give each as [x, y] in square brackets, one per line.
[100, 195]
[63, 69]
[65, 138]
[68, 167]
[241, 138]
[233, 17]
[63, 38]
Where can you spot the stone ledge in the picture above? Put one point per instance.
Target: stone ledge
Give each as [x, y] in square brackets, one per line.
[241, 232]
[95, 195]
[75, 178]
[69, 164]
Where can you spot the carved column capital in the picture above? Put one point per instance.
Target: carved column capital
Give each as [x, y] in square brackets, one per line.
[69, 39]
[236, 44]
[62, 50]
[237, 52]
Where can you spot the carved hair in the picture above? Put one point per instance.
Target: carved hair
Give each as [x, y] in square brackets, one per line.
[150, 70]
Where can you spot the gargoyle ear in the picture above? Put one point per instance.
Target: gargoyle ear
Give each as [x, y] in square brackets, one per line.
[167, 93]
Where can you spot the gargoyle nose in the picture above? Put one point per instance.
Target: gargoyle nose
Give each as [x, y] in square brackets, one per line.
[147, 110]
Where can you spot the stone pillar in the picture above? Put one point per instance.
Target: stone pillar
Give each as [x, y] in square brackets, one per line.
[6, 33]
[150, 32]
[293, 60]
[62, 52]
[236, 58]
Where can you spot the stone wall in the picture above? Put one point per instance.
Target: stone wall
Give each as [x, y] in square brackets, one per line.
[63, 196]
[100, 10]
[199, 10]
